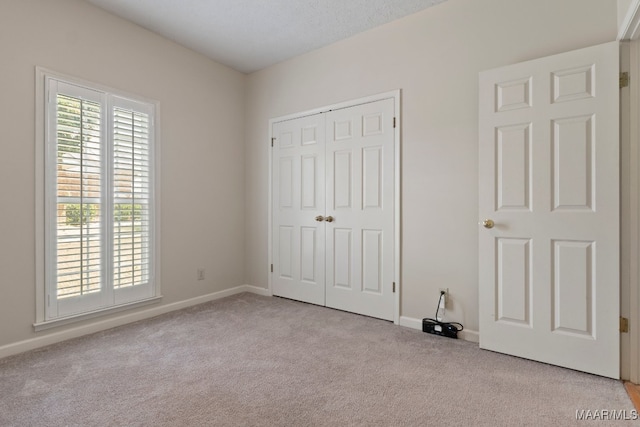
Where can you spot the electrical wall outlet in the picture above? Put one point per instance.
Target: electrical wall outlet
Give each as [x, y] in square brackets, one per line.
[201, 274]
[446, 296]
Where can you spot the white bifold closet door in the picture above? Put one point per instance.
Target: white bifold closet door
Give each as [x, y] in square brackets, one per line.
[333, 209]
[298, 199]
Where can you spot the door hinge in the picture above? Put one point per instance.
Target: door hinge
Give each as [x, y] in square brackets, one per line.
[624, 324]
[272, 268]
[394, 122]
[624, 79]
[48, 300]
[272, 141]
[394, 287]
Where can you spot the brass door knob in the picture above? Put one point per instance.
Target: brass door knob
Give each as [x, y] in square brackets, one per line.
[488, 223]
[329, 219]
[319, 218]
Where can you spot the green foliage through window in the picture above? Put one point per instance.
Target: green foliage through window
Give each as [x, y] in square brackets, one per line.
[77, 122]
[77, 214]
[127, 212]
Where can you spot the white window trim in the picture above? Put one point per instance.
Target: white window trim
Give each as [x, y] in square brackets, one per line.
[41, 74]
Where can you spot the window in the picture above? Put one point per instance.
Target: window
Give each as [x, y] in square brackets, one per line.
[99, 204]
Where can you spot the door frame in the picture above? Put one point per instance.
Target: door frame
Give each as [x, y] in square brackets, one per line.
[629, 34]
[630, 210]
[395, 95]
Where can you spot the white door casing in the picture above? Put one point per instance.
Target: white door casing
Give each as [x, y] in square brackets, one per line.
[340, 164]
[549, 179]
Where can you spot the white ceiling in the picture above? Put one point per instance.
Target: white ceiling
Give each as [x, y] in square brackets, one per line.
[249, 35]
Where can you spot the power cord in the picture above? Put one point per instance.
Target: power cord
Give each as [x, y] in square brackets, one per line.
[437, 327]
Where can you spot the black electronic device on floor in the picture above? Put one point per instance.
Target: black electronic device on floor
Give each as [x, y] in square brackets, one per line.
[432, 326]
[436, 327]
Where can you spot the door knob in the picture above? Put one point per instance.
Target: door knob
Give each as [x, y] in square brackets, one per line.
[319, 218]
[488, 223]
[329, 219]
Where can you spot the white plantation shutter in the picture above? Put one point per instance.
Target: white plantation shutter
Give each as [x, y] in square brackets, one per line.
[79, 189]
[131, 197]
[100, 206]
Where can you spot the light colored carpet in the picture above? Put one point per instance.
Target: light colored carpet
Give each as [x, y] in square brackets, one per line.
[249, 360]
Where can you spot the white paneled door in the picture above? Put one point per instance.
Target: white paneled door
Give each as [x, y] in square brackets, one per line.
[360, 197]
[298, 191]
[549, 210]
[333, 209]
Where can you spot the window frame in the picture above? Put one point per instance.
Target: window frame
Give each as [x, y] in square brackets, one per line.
[47, 315]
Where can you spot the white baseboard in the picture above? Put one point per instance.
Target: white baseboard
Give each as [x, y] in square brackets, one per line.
[52, 338]
[411, 322]
[258, 290]
[466, 334]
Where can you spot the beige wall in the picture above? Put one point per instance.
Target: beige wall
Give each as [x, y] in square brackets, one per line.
[434, 57]
[623, 8]
[202, 171]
